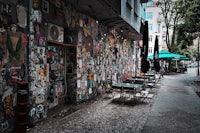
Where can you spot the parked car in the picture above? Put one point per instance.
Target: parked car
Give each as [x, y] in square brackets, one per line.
[192, 65]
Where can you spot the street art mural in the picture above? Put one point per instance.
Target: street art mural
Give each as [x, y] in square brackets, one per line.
[102, 57]
[38, 67]
[79, 66]
[12, 57]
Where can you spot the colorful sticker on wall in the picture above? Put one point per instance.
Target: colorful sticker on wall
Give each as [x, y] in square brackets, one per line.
[24, 40]
[15, 72]
[38, 112]
[36, 16]
[41, 41]
[41, 55]
[22, 16]
[40, 73]
[36, 4]
[8, 102]
[40, 98]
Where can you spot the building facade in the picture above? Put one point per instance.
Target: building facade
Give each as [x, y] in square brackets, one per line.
[156, 26]
[56, 52]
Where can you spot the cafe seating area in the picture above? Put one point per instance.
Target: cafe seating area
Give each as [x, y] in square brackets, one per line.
[136, 89]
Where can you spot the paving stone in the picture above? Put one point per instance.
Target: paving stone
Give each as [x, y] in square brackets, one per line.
[100, 116]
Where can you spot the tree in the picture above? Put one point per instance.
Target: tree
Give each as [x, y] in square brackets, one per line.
[192, 19]
[183, 41]
[172, 15]
[192, 23]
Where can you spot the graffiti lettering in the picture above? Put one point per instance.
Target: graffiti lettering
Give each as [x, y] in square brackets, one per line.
[4, 125]
[37, 112]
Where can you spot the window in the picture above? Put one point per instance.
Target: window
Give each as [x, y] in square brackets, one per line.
[150, 50]
[129, 2]
[150, 26]
[158, 37]
[158, 28]
[149, 15]
[150, 38]
[135, 7]
[150, 3]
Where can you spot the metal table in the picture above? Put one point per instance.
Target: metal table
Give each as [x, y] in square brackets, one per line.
[127, 87]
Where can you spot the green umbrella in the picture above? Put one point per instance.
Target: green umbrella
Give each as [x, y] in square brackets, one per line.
[156, 56]
[156, 49]
[181, 57]
[144, 53]
[163, 54]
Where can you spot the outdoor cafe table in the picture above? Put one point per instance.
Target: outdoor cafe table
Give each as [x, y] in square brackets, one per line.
[127, 86]
[151, 78]
[150, 75]
[136, 80]
[145, 76]
[145, 81]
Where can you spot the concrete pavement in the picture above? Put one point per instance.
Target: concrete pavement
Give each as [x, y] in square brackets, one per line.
[176, 108]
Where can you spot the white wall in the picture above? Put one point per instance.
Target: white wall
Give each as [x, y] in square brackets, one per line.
[129, 16]
[156, 14]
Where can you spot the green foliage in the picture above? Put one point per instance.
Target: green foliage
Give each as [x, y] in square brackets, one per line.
[191, 17]
[182, 17]
[185, 12]
[183, 38]
[189, 29]
[172, 14]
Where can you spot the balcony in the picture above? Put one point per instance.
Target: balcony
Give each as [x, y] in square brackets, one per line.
[143, 1]
[109, 13]
[99, 9]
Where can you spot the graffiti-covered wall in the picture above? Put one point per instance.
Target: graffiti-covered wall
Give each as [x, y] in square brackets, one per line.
[13, 43]
[64, 55]
[102, 55]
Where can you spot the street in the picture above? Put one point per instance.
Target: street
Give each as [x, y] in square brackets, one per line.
[174, 108]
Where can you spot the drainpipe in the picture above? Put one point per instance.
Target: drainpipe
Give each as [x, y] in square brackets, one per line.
[29, 4]
[136, 59]
[198, 56]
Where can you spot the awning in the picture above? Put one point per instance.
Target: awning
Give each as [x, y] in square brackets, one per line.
[185, 58]
[109, 14]
[163, 54]
[182, 57]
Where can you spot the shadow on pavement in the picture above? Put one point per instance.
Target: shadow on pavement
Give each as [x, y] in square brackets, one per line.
[127, 101]
[65, 112]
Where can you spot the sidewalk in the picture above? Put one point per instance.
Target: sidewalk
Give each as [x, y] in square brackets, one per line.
[176, 108]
